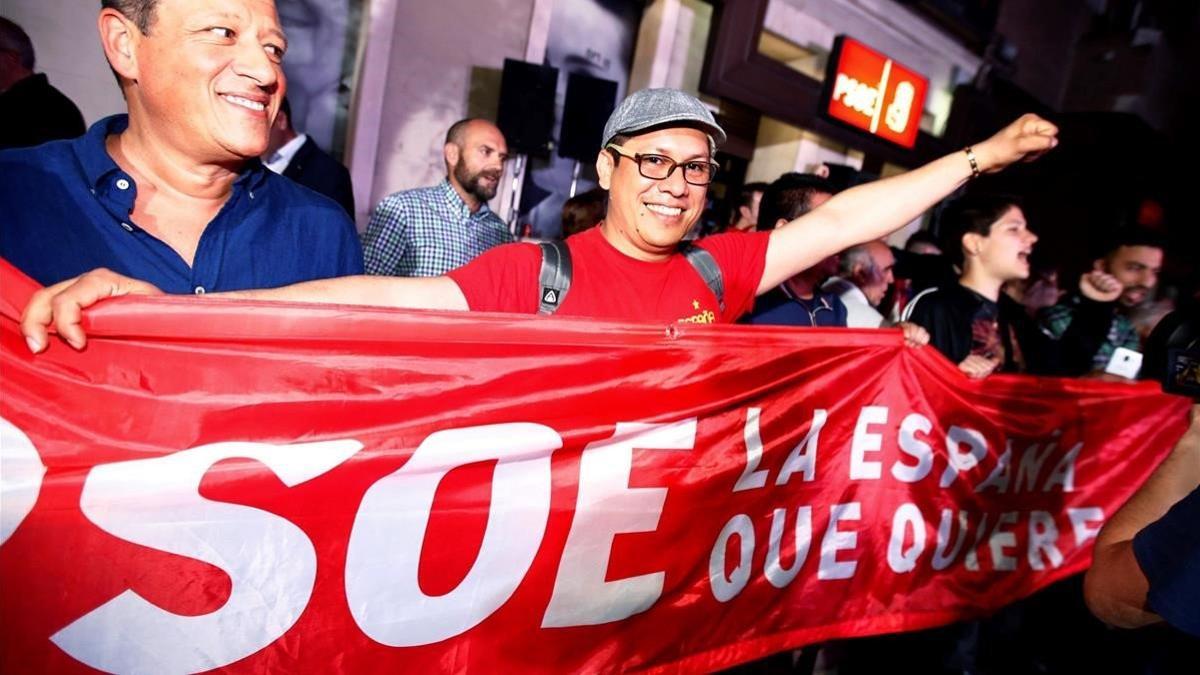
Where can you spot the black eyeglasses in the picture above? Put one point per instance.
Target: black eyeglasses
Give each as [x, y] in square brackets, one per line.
[658, 167]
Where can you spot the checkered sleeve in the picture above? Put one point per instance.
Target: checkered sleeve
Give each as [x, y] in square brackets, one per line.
[1127, 335]
[386, 237]
[1054, 321]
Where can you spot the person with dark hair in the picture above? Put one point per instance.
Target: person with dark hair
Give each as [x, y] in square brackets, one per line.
[745, 214]
[173, 193]
[426, 232]
[919, 265]
[799, 300]
[972, 322]
[297, 156]
[789, 197]
[656, 163]
[1091, 324]
[922, 242]
[32, 111]
[583, 211]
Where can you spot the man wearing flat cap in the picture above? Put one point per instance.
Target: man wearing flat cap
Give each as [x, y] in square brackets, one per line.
[656, 162]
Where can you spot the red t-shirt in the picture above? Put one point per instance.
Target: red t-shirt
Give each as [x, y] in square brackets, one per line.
[607, 284]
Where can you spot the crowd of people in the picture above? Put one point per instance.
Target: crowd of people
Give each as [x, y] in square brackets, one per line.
[204, 187]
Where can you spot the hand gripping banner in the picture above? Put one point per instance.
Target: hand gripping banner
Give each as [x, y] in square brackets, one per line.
[257, 487]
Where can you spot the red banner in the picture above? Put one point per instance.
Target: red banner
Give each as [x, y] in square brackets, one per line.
[301, 488]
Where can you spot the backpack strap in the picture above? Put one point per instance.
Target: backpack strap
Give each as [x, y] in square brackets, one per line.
[554, 280]
[906, 315]
[706, 266]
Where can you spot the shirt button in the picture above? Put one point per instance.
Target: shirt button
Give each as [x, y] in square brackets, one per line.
[122, 184]
[200, 290]
[127, 227]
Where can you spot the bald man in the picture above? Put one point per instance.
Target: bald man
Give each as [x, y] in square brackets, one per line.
[427, 232]
[866, 273]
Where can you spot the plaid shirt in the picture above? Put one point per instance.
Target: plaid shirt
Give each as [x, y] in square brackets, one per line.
[427, 232]
[1121, 332]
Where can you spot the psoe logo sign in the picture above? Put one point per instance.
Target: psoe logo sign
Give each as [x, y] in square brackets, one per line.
[872, 92]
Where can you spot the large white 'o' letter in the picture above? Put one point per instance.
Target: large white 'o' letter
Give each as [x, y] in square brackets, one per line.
[389, 531]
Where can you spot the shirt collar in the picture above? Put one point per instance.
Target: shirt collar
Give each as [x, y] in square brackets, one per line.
[282, 157]
[821, 297]
[847, 286]
[92, 151]
[456, 202]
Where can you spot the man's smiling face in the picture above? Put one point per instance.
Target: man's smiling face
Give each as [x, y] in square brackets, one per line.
[210, 76]
[647, 218]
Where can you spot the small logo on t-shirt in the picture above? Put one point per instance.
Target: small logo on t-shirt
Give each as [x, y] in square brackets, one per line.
[704, 316]
[549, 296]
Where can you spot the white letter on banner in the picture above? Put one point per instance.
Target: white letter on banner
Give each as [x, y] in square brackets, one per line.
[156, 503]
[914, 447]
[1043, 538]
[384, 553]
[1000, 476]
[1031, 467]
[21, 472]
[907, 517]
[750, 478]
[802, 541]
[943, 553]
[1001, 540]
[607, 506]
[1064, 472]
[865, 442]
[803, 458]
[836, 540]
[1079, 522]
[962, 461]
[725, 588]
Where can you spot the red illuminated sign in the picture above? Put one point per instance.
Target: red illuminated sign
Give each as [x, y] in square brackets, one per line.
[874, 93]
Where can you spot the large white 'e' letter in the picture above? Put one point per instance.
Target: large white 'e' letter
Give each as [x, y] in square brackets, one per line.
[607, 506]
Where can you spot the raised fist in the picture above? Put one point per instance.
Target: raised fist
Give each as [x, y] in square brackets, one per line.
[1100, 286]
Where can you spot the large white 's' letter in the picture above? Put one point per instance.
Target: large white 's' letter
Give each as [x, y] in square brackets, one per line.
[156, 503]
[21, 472]
[914, 447]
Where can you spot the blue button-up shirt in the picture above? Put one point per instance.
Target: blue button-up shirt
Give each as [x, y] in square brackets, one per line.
[427, 232]
[65, 209]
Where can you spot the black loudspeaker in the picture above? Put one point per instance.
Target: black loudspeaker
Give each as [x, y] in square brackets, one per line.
[590, 101]
[526, 115]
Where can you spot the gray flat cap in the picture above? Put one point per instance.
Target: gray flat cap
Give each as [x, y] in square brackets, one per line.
[648, 108]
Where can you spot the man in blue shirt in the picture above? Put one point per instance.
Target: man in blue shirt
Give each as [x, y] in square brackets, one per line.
[429, 231]
[1146, 563]
[173, 192]
[798, 301]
